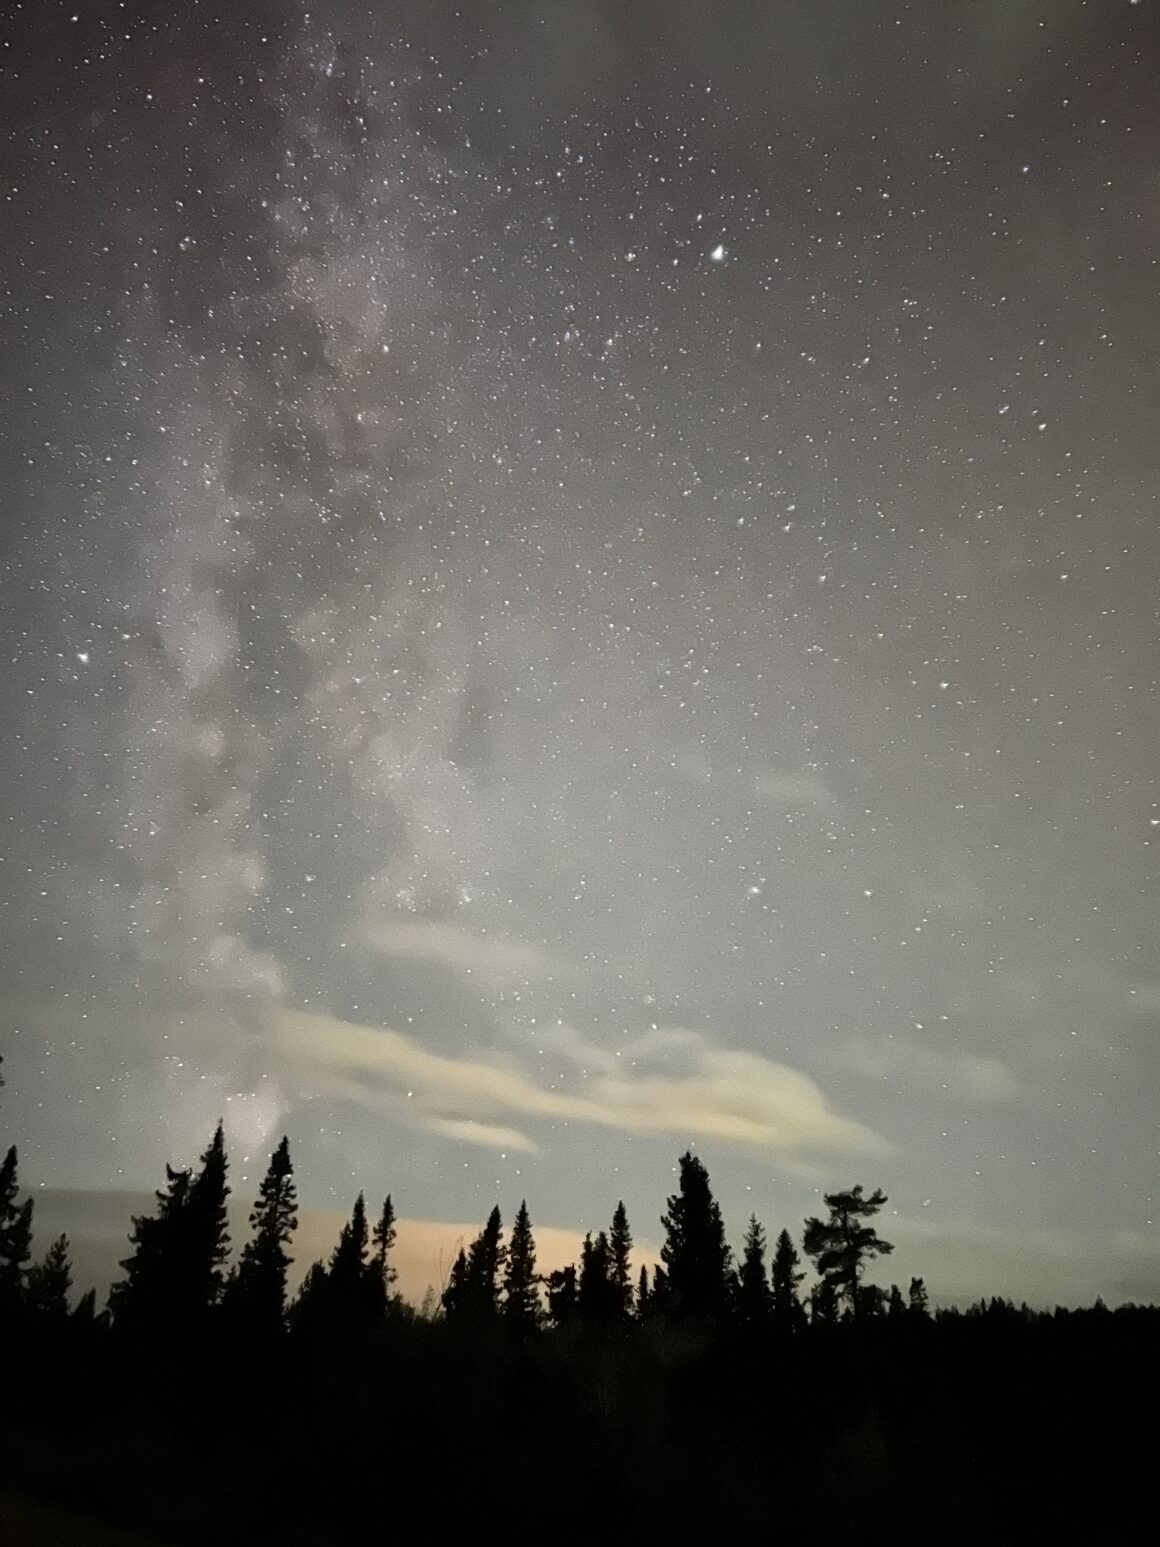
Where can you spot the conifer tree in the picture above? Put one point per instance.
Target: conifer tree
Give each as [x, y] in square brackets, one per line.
[472, 1291]
[642, 1292]
[176, 1271]
[151, 1287]
[841, 1245]
[456, 1296]
[620, 1268]
[660, 1297]
[206, 1243]
[896, 1305]
[784, 1281]
[309, 1306]
[258, 1290]
[695, 1252]
[383, 1271]
[521, 1293]
[919, 1306]
[598, 1299]
[347, 1283]
[753, 1294]
[563, 1295]
[50, 1280]
[484, 1261]
[15, 1232]
[208, 1247]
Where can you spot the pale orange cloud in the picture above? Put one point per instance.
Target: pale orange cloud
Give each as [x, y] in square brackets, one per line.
[739, 1097]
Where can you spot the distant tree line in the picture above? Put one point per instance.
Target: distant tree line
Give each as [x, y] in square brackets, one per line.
[178, 1268]
[710, 1394]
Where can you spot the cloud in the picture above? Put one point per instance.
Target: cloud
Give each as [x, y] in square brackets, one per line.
[961, 1075]
[738, 1097]
[468, 1131]
[494, 960]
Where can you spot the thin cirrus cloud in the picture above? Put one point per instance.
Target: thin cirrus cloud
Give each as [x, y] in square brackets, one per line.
[964, 1075]
[492, 960]
[736, 1097]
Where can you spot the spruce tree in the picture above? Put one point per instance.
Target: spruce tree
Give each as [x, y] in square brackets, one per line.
[472, 1291]
[753, 1295]
[349, 1288]
[919, 1306]
[50, 1280]
[309, 1306]
[785, 1278]
[258, 1290]
[660, 1298]
[176, 1271]
[484, 1261]
[456, 1296]
[207, 1247]
[695, 1251]
[150, 1291]
[598, 1299]
[383, 1237]
[15, 1232]
[521, 1292]
[642, 1292]
[620, 1246]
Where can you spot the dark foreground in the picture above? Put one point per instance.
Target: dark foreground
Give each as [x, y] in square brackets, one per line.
[994, 1427]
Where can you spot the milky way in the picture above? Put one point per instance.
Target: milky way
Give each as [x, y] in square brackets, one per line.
[582, 583]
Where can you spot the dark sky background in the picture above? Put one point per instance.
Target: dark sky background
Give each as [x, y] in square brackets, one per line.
[580, 580]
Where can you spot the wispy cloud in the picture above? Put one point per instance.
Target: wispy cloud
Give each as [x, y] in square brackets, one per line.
[963, 1075]
[738, 1097]
[493, 960]
[469, 1130]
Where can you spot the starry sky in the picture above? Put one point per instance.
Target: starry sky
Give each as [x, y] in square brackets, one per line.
[579, 581]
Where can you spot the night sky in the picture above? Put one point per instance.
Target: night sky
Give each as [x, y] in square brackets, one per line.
[582, 580]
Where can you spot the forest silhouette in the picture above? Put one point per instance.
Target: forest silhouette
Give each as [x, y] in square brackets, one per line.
[713, 1394]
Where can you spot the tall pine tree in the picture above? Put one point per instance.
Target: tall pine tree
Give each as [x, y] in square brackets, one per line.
[521, 1302]
[785, 1279]
[175, 1273]
[472, 1292]
[753, 1296]
[620, 1267]
[207, 1243]
[346, 1274]
[842, 1244]
[381, 1269]
[695, 1252]
[15, 1232]
[258, 1291]
[50, 1280]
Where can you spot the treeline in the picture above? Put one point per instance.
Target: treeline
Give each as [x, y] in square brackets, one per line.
[178, 1267]
[713, 1394]
[178, 1270]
